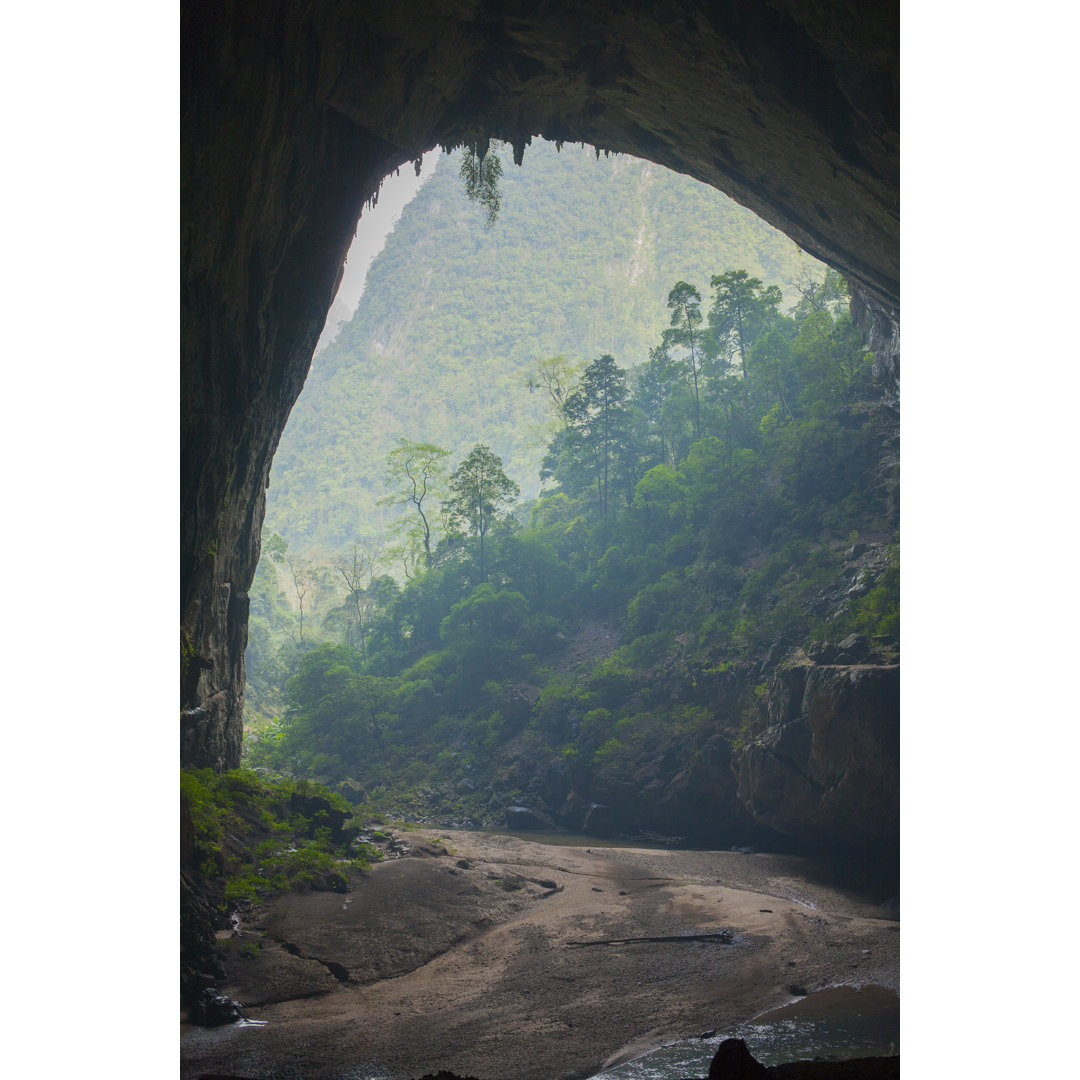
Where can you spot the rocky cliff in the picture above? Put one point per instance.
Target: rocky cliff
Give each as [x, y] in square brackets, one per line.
[827, 764]
[821, 771]
[812, 764]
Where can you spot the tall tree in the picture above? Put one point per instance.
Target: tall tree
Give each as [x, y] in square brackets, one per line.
[555, 376]
[772, 356]
[597, 415]
[303, 577]
[684, 303]
[652, 385]
[275, 546]
[725, 393]
[479, 490]
[826, 291]
[743, 309]
[415, 471]
[356, 568]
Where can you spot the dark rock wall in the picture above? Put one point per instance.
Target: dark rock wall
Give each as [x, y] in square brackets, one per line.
[293, 113]
[684, 786]
[880, 327]
[827, 766]
[811, 766]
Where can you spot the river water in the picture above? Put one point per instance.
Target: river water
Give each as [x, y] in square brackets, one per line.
[835, 1024]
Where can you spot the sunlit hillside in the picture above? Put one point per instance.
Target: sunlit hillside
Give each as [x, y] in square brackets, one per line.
[456, 316]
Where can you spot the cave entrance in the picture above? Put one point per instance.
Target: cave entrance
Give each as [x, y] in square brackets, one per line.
[450, 348]
[293, 114]
[292, 117]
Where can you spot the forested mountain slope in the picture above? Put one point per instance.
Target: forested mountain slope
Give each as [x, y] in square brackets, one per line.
[693, 628]
[456, 316]
[693, 631]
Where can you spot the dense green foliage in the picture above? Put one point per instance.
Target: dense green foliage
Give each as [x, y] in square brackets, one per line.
[248, 830]
[699, 504]
[455, 317]
[482, 173]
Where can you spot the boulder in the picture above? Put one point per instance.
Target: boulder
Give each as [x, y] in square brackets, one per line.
[860, 587]
[212, 1009]
[733, 1061]
[822, 652]
[854, 649]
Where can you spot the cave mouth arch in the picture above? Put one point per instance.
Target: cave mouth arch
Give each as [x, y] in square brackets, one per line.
[292, 115]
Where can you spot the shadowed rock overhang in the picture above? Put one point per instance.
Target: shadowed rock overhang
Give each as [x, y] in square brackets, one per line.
[293, 113]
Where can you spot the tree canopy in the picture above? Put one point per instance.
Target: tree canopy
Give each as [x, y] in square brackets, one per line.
[479, 493]
[702, 527]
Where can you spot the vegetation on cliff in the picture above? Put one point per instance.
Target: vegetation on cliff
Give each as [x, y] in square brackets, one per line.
[698, 510]
[257, 836]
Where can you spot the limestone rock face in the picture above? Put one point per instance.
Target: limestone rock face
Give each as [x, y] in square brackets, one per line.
[292, 114]
[212, 673]
[828, 764]
[880, 327]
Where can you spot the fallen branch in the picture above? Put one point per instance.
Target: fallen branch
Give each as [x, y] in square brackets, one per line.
[725, 936]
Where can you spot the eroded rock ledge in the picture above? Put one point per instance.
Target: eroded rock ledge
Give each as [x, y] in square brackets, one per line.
[828, 763]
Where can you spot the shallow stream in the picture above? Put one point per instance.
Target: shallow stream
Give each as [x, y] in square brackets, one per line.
[834, 1024]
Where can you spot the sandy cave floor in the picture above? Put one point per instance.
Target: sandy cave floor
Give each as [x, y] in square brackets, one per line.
[469, 955]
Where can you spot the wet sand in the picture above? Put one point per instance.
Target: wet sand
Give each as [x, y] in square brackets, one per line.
[481, 953]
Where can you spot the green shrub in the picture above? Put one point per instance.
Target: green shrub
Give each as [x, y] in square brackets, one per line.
[229, 810]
